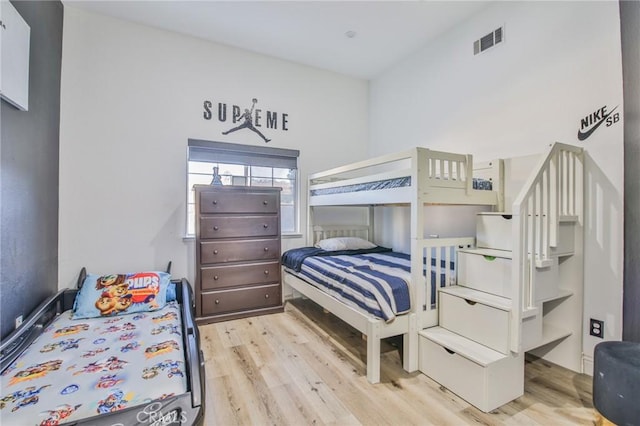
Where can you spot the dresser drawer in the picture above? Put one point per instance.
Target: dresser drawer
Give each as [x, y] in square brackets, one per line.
[239, 226]
[239, 275]
[239, 202]
[484, 324]
[222, 301]
[237, 251]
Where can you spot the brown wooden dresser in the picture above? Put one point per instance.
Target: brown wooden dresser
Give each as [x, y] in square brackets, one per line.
[237, 252]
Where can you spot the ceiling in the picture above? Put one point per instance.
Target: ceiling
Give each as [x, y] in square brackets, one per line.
[313, 33]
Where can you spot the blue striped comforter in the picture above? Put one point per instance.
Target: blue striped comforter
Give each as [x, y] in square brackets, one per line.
[376, 283]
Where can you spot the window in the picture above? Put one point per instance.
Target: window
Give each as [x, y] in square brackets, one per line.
[245, 165]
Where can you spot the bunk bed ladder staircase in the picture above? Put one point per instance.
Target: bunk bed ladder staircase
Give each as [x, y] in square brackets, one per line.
[505, 286]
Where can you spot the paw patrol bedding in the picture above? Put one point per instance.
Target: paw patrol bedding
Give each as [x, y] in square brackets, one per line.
[117, 294]
[82, 368]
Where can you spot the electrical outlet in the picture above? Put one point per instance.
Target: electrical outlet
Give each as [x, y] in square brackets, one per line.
[18, 321]
[596, 328]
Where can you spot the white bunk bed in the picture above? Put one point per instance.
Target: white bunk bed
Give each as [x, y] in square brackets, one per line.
[416, 177]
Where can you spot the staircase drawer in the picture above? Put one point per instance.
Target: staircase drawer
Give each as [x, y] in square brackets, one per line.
[493, 231]
[484, 324]
[485, 386]
[485, 273]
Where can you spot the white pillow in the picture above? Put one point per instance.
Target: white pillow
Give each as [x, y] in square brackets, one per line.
[344, 243]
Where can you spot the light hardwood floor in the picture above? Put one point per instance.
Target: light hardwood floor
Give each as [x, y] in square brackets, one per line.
[306, 367]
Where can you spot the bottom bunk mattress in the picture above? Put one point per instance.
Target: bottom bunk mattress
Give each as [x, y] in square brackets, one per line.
[375, 282]
[81, 368]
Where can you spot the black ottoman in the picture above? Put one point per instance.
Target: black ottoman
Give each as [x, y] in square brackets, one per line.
[616, 382]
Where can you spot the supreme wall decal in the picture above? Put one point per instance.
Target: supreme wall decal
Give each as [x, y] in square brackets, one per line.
[252, 118]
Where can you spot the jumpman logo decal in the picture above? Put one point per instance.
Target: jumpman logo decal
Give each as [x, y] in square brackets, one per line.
[248, 122]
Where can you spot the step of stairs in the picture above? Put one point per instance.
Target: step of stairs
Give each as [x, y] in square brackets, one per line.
[490, 270]
[475, 315]
[478, 296]
[494, 230]
[483, 377]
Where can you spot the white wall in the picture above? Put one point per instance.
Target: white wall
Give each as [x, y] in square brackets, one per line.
[132, 96]
[559, 62]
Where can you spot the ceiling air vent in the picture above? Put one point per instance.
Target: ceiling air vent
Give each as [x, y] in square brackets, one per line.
[490, 40]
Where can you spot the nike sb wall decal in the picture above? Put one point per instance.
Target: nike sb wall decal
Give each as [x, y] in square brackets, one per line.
[591, 122]
[252, 118]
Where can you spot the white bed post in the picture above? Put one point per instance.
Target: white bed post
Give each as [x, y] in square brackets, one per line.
[469, 173]
[373, 351]
[410, 344]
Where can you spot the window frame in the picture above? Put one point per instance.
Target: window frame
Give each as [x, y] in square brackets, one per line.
[249, 157]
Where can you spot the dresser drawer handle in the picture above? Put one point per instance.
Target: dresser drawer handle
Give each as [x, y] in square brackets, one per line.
[215, 278]
[470, 302]
[217, 302]
[265, 226]
[266, 272]
[449, 351]
[215, 228]
[265, 202]
[266, 249]
[215, 202]
[266, 296]
[215, 252]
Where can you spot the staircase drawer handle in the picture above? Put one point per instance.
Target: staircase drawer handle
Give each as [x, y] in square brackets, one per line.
[266, 249]
[266, 296]
[265, 202]
[449, 351]
[470, 302]
[217, 302]
[215, 252]
[215, 278]
[507, 216]
[215, 202]
[489, 258]
[265, 226]
[266, 272]
[215, 228]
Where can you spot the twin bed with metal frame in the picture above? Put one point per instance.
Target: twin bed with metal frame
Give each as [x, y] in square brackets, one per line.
[147, 366]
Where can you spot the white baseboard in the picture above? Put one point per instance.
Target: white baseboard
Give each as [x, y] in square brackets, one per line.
[587, 365]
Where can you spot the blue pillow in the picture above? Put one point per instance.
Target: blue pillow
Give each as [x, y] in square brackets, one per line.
[117, 294]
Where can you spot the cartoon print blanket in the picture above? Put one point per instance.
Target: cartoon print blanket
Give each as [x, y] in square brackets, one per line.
[82, 368]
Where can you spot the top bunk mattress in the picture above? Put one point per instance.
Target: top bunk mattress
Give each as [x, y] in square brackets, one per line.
[417, 175]
[81, 368]
[401, 182]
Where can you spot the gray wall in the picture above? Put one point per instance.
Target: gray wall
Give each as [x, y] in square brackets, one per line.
[29, 173]
[630, 29]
